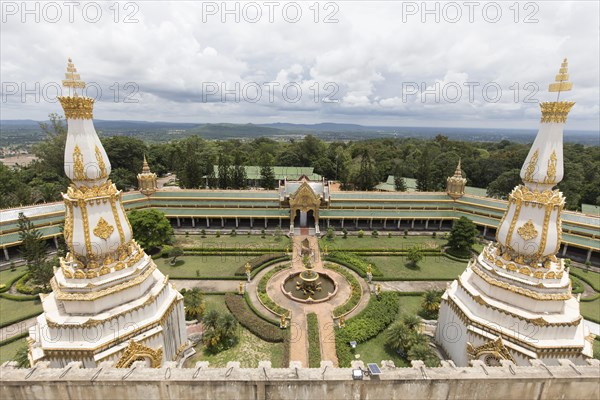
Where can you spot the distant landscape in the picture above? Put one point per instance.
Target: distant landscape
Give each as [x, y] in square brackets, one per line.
[26, 132]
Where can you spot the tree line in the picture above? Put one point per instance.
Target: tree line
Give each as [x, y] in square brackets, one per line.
[357, 165]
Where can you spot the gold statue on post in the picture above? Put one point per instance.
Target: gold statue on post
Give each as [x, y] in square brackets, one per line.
[241, 288]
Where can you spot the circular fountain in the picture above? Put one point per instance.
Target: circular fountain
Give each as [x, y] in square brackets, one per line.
[309, 286]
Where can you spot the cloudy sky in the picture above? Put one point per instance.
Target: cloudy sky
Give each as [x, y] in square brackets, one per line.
[457, 64]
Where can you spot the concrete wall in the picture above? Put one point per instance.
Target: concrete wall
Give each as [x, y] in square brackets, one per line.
[538, 381]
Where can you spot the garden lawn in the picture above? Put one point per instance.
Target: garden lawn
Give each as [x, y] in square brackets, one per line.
[374, 350]
[591, 310]
[8, 275]
[239, 242]
[8, 351]
[431, 267]
[383, 242]
[11, 310]
[206, 266]
[249, 351]
[215, 302]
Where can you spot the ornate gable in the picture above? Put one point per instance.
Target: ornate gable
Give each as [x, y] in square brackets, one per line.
[491, 352]
[139, 352]
[305, 199]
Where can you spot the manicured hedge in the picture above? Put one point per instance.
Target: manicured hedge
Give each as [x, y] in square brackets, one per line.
[591, 298]
[576, 285]
[237, 249]
[24, 297]
[14, 338]
[582, 275]
[262, 291]
[11, 282]
[260, 261]
[314, 341]
[356, 291]
[248, 319]
[377, 316]
[22, 287]
[354, 262]
[21, 318]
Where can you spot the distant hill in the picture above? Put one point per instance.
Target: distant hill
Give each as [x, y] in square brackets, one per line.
[28, 131]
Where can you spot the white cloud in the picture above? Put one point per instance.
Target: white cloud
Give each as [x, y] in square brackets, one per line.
[370, 55]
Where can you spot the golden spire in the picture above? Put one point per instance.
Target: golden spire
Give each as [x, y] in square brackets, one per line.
[458, 171]
[561, 83]
[72, 79]
[145, 166]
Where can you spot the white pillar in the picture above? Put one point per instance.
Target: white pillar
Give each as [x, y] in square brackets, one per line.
[371, 223]
[342, 223]
[6, 257]
[589, 256]
[484, 230]
[207, 222]
[564, 252]
[327, 223]
[385, 223]
[251, 222]
[265, 222]
[426, 224]
[237, 222]
[412, 224]
[222, 223]
[399, 221]
[178, 222]
[279, 222]
[193, 223]
[55, 242]
[356, 223]
[441, 222]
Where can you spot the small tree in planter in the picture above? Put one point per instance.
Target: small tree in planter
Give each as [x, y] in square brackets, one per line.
[375, 234]
[361, 233]
[218, 234]
[233, 233]
[345, 233]
[262, 233]
[330, 235]
[203, 233]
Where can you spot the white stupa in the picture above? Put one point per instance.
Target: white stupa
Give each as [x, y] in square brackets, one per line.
[514, 300]
[109, 302]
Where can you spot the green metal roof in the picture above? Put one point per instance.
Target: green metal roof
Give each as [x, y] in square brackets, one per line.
[290, 173]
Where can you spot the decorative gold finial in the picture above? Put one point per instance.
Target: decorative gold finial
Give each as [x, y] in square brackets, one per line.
[561, 81]
[72, 79]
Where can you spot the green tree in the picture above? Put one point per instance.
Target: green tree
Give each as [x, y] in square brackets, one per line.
[414, 256]
[366, 179]
[504, 184]
[462, 236]
[22, 357]
[193, 301]
[430, 306]
[220, 331]
[423, 173]
[34, 251]
[151, 228]
[267, 175]
[224, 169]
[190, 176]
[174, 253]
[330, 235]
[424, 352]
[239, 178]
[51, 151]
[399, 183]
